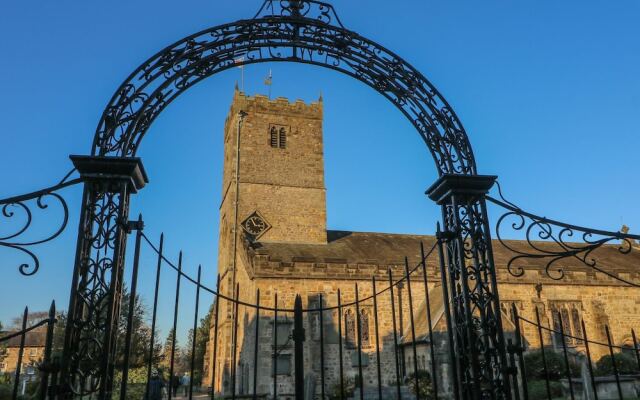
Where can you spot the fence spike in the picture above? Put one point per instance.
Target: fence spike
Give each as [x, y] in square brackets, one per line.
[322, 396]
[589, 363]
[235, 344]
[16, 383]
[195, 333]
[613, 361]
[340, 346]
[154, 314]
[395, 335]
[375, 320]
[255, 349]
[215, 338]
[175, 320]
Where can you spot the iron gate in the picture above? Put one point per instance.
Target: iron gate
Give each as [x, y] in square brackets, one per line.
[482, 363]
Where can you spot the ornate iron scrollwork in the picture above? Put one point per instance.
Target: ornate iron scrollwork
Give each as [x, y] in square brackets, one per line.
[12, 207]
[553, 241]
[468, 268]
[307, 32]
[318, 10]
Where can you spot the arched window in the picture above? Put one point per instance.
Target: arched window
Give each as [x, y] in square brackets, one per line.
[283, 138]
[557, 328]
[274, 137]
[575, 319]
[350, 328]
[364, 328]
[566, 322]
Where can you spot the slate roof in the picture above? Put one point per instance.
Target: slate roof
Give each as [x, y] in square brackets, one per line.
[391, 249]
[34, 338]
[349, 247]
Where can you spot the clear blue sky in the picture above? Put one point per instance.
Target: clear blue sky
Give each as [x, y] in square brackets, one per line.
[549, 93]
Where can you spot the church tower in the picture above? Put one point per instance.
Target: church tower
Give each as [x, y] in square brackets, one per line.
[273, 191]
[280, 185]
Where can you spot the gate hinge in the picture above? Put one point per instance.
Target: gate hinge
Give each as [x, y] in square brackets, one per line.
[514, 349]
[298, 334]
[446, 236]
[511, 370]
[131, 226]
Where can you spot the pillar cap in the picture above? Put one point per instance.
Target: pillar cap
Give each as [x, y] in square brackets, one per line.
[108, 168]
[469, 187]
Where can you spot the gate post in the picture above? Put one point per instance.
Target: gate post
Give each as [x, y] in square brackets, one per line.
[94, 303]
[298, 339]
[478, 337]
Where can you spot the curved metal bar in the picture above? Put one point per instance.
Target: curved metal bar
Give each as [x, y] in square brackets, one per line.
[301, 31]
[570, 336]
[250, 305]
[550, 240]
[510, 206]
[39, 193]
[29, 329]
[8, 206]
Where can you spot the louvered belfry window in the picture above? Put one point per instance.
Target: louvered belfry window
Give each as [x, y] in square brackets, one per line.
[278, 136]
[274, 136]
[283, 138]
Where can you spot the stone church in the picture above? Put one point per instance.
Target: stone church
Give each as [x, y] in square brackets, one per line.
[274, 239]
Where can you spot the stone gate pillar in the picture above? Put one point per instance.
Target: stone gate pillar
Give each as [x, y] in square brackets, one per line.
[478, 338]
[94, 304]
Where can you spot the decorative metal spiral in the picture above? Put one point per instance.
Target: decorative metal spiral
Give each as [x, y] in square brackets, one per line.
[13, 207]
[553, 242]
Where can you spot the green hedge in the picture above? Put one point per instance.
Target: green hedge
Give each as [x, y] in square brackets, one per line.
[537, 389]
[424, 387]
[556, 368]
[626, 364]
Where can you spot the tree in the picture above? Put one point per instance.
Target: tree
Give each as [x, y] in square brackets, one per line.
[556, 367]
[32, 319]
[202, 338]
[424, 386]
[3, 353]
[166, 350]
[625, 365]
[140, 333]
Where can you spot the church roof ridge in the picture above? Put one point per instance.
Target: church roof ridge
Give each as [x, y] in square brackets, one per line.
[350, 247]
[341, 232]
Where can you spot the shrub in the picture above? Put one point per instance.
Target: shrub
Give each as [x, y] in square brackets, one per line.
[424, 389]
[5, 391]
[537, 389]
[334, 390]
[626, 365]
[556, 368]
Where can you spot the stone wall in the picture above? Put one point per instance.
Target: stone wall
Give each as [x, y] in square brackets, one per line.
[616, 306]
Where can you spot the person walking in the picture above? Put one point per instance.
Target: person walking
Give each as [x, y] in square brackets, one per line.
[156, 384]
[175, 383]
[185, 380]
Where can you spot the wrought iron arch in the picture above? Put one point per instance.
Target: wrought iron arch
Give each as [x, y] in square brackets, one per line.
[302, 31]
[282, 33]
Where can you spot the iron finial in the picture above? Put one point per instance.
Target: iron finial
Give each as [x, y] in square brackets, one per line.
[296, 6]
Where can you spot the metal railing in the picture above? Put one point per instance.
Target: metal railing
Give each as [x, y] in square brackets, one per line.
[565, 363]
[353, 327]
[350, 333]
[44, 364]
